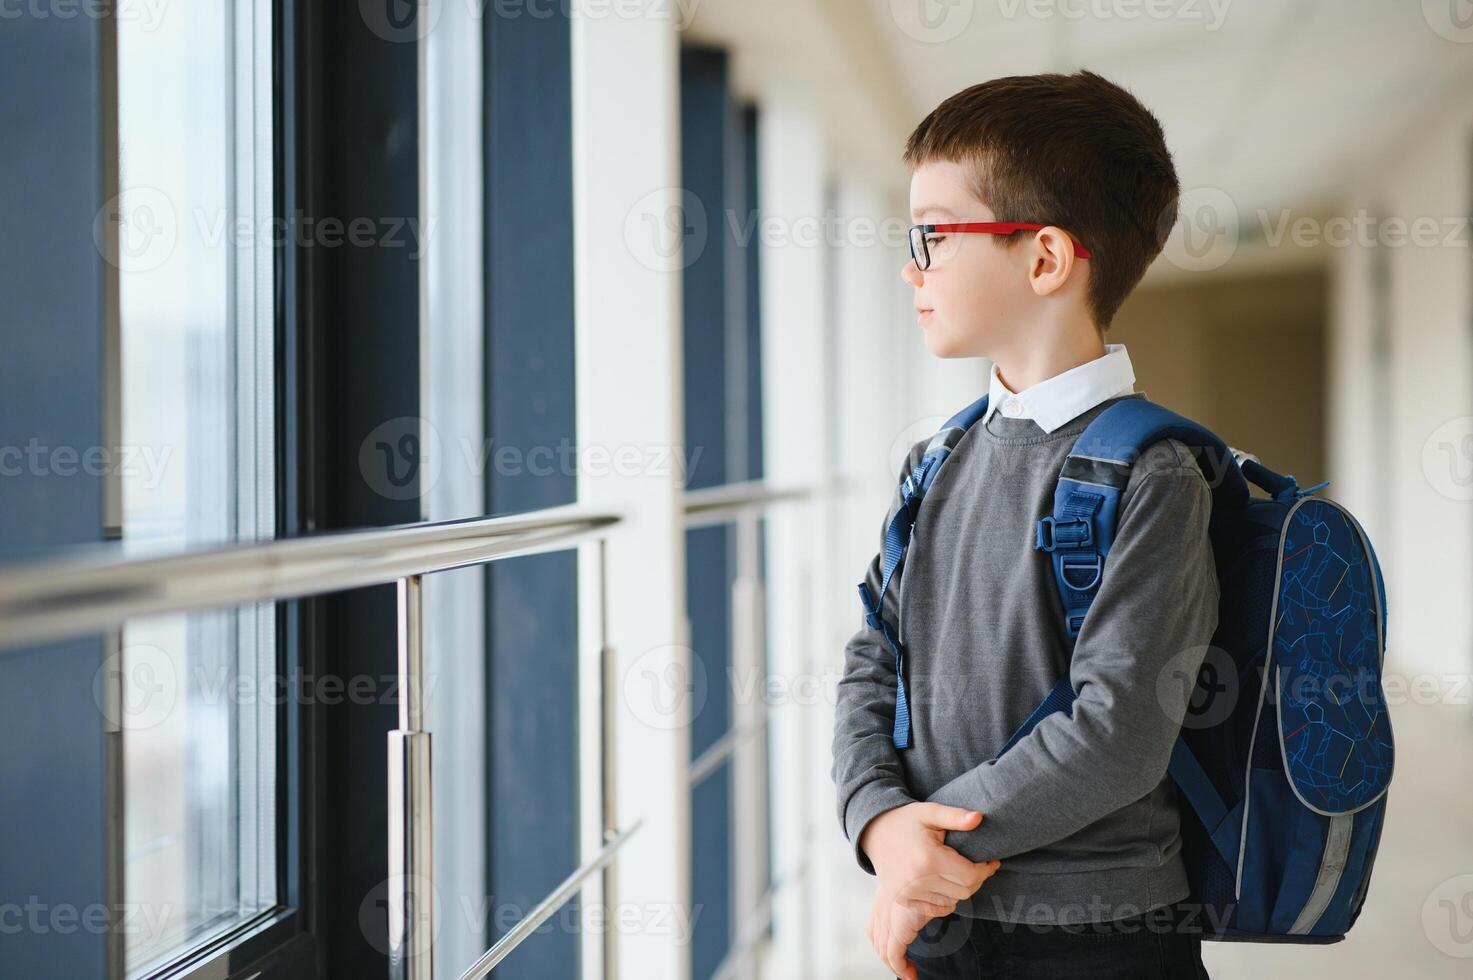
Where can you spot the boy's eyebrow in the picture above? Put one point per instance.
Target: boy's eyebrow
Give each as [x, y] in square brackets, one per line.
[919, 212]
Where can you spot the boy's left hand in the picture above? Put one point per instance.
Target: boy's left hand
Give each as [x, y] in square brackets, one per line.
[893, 926]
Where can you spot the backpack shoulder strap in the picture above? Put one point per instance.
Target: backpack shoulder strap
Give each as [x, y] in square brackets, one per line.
[897, 538]
[1079, 532]
[1078, 535]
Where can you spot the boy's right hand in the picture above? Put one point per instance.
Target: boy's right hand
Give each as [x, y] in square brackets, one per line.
[907, 846]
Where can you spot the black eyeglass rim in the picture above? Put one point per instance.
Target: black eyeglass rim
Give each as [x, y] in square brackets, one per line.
[920, 232]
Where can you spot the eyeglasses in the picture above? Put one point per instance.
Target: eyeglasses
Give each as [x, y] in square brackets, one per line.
[920, 243]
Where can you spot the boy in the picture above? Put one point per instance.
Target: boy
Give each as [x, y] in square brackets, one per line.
[1059, 858]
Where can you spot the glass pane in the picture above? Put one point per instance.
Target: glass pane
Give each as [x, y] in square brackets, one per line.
[198, 705]
[455, 400]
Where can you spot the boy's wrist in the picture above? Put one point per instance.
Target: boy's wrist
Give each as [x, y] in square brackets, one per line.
[885, 840]
[869, 802]
[871, 838]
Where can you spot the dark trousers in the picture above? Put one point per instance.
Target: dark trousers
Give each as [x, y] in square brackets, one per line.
[1164, 944]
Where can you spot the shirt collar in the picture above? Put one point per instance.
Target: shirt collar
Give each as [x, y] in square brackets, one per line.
[1054, 401]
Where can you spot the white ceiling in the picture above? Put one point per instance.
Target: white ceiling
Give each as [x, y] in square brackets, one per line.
[1271, 101]
[1274, 102]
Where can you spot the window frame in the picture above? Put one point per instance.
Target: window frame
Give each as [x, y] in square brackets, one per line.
[274, 940]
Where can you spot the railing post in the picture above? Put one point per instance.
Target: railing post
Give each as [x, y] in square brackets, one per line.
[749, 754]
[608, 708]
[113, 681]
[411, 893]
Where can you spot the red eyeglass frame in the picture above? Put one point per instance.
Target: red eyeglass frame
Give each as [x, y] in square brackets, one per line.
[983, 228]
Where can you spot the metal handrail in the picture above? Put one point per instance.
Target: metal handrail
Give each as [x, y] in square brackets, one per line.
[752, 931]
[742, 746]
[93, 590]
[703, 507]
[99, 589]
[547, 906]
[724, 747]
[721, 504]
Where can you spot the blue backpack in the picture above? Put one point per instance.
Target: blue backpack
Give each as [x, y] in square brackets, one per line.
[1285, 753]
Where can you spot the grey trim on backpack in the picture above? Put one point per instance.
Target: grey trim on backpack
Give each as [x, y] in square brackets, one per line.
[1332, 866]
[1338, 834]
[1268, 658]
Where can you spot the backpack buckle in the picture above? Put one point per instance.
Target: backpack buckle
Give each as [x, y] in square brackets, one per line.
[1071, 532]
[1081, 563]
[1074, 621]
[914, 484]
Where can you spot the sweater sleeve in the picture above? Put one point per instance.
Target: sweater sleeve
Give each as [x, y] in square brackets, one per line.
[866, 769]
[1149, 625]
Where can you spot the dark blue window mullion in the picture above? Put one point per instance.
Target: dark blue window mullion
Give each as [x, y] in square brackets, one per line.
[354, 334]
[58, 120]
[751, 281]
[716, 389]
[708, 585]
[532, 633]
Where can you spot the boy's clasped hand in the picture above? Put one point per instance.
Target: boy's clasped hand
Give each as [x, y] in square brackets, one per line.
[921, 877]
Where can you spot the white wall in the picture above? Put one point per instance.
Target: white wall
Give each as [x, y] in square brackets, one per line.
[791, 162]
[1416, 513]
[626, 176]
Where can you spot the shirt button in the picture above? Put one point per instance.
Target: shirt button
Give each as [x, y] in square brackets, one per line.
[1012, 407]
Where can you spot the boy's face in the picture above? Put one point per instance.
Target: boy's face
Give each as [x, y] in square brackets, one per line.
[977, 297]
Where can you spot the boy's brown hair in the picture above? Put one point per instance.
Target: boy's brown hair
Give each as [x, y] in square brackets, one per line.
[1076, 151]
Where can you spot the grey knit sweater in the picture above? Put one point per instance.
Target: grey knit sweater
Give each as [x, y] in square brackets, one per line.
[1080, 812]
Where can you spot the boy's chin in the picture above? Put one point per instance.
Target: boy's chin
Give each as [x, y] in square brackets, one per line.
[943, 346]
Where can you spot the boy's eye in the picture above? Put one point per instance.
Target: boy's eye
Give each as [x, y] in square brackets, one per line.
[933, 239]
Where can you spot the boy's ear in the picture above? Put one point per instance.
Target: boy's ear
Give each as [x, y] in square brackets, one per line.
[1051, 259]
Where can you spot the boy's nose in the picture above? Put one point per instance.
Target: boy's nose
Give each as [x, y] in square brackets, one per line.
[910, 273]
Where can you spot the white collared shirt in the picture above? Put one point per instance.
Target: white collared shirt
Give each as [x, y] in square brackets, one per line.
[1053, 401]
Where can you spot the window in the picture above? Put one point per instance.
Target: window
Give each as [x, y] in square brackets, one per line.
[730, 818]
[198, 692]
